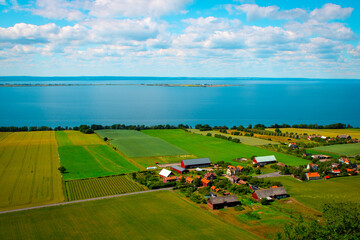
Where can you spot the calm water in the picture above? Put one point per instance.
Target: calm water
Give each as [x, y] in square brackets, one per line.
[266, 101]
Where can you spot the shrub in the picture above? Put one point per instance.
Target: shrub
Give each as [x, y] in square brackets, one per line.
[253, 215]
[209, 134]
[239, 208]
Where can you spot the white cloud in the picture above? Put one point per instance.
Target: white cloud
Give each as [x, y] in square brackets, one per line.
[136, 8]
[2, 2]
[330, 12]
[59, 9]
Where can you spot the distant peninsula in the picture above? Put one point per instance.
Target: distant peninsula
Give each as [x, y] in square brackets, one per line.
[113, 84]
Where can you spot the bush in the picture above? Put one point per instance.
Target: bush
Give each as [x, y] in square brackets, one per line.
[209, 134]
[253, 215]
[264, 201]
[239, 208]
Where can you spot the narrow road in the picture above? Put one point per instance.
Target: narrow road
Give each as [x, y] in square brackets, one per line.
[273, 174]
[85, 200]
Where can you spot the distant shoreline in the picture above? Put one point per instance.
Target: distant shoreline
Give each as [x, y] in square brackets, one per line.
[116, 84]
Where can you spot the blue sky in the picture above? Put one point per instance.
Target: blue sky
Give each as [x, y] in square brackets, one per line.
[199, 38]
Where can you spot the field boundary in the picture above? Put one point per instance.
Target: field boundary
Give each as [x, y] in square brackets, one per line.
[83, 200]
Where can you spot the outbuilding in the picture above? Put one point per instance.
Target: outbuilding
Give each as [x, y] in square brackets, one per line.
[221, 202]
[195, 163]
[165, 173]
[261, 161]
[178, 169]
[270, 193]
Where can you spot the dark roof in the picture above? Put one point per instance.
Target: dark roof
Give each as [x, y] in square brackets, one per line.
[270, 192]
[178, 168]
[224, 199]
[197, 161]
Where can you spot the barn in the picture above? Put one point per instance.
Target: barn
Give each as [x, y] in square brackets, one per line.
[270, 193]
[221, 202]
[194, 163]
[165, 173]
[178, 169]
[261, 161]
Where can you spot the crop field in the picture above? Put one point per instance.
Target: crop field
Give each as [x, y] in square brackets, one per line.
[86, 155]
[28, 170]
[218, 149]
[99, 187]
[156, 215]
[354, 133]
[341, 149]
[317, 192]
[3, 135]
[137, 144]
[244, 139]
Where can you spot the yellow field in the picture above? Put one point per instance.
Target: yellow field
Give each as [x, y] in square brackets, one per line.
[79, 139]
[4, 135]
[324, 132]
[28, 170]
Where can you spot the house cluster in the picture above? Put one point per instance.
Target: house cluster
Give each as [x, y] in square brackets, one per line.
[334, 169]
[341, 137]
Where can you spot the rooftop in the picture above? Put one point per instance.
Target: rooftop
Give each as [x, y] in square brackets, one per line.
[224, 199]
[270, 192]
[265, 159]
[196, 161]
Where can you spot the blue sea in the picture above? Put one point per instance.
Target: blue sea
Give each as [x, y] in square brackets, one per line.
[257, 100]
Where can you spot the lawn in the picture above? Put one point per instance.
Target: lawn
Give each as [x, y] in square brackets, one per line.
[354, 133]
[341, 149]
[86, 155]
[218, 149]
[317, 192]
[137, 144]
[244, 139]
[157, 215]
[28, 170]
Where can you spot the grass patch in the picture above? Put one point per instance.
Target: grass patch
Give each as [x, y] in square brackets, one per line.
[341, 149]
[137, 144]
[316, 193]
[157, 215]
[218, 149]
[84, 159]
[28, 170]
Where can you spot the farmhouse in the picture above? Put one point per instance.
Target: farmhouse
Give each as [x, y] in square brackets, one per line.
[234, 179]
[189, 180]
[221, 202]
[261, 161]
[312, 166]
[335, 171]
[169, 179]
[344, 160]
[334, 165]
[194, 163]
[270, 193]
[178, 169]
[234, 170]
[210, 176]
[292, 145]
[165, 173]
[343, 136]
[205, 182]
[312, 176]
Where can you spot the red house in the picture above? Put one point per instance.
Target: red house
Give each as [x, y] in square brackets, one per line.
[205, 182]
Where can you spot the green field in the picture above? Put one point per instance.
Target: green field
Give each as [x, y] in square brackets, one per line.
[157, 215]
[218, 149]
[99, 187]
[86, 155]
[316, 193]
[137, 144]
[341, 149]
[28, 170]
[244, 139]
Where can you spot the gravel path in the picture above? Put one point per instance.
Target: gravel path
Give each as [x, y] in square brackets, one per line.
[85, 200]
[273, 174]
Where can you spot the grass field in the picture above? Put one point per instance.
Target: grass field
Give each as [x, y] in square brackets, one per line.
[341, 149]
[246, 140]
[354, 133]
[28, 170]
[137, 144]
[316, 193]
[99, 187]
[86, 155]
[218, 149]
[158, 215]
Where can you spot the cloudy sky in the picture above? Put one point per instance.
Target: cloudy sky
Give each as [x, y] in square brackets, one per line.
[193, 38]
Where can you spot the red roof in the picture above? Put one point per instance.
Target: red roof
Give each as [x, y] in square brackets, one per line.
[205, 181]
[313, 174]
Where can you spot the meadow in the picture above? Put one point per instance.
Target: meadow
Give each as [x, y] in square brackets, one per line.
[218, 149]
[28, 170]
[341, 149]
[157, 215]
[315, 193]
[244, 139]
[86, 155]
[99, 187]
[137, 144]
[354, 133]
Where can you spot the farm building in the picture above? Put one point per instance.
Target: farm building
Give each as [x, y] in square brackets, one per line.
[320, 156]
[292, 145]
[178, 169]
[221, 202]
[165, 173]
[151, 168]
[312, 166]
[233, 170]
[343, 136]
[210, 176]
[195, 163]
[261, 161]
[189, 180]
[270, 193]
[344, 160]
[334, 165]
[234, 179]
[205, 182]
[335, 171]
[169, 179]
[312, 176]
